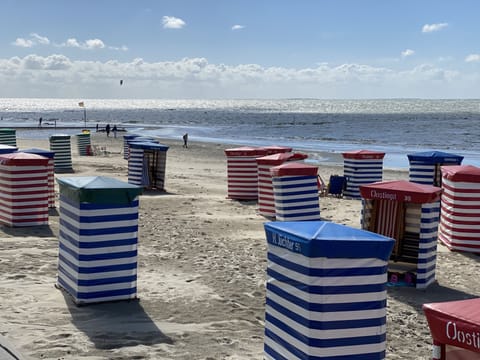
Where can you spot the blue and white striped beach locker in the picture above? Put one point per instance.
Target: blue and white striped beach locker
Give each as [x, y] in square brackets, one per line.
[147, 164]
[425, 167]
[8, 137]
[83, 143]
[98, 239]
[295, 190]
[51, 174]
[361, 167]
[326, 292]
[409, 213]
[7, 149]
[126, 140]
[266, 200]
[60, 145]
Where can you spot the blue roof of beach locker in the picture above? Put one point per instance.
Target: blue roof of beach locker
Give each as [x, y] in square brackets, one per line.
[435, 157]
[327, 239]
[98, 190]
[148, 146]
[130, 136]
[42, 152]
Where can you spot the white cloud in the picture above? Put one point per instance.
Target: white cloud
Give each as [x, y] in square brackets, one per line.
[72, 42]
[21, 42]
[473, 58]
[407, 52]
[94, 44]
[91, 44]
[40, 39]
[34, 39]
[59, 76]
[171, 22]
[427, 28]
[237, 27]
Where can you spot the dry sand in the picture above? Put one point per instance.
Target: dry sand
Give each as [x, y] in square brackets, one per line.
[201, 273]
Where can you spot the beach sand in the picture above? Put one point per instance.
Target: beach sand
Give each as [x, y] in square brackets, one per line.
[201, 273]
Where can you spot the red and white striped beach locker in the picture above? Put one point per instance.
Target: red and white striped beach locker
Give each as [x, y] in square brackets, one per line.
[295, 189]
[242, 173]
[23, 189]
[460, 216]
[409, 213]
[361, 167]
[266, 200]
[51, 173]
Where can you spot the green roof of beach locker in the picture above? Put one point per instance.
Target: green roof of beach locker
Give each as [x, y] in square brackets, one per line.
[98, 190]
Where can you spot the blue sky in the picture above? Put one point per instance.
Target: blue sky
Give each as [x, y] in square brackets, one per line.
[240, 49]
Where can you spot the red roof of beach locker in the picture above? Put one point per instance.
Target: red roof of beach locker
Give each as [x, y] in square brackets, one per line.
[280, 158]
[363, 154]
[274, 149]
[246, 151]
[448, 320]
[402, 191]
[23, 159]
[295, 169]
[467, 173]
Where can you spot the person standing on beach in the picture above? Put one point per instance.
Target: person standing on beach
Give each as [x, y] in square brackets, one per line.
[114, 129]
[40, 122]
[107, 129]
[185, 140]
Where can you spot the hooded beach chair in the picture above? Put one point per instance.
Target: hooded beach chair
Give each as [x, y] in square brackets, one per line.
[337, 185]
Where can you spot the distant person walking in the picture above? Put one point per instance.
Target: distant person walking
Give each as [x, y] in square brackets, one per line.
[114, 129]
[40, 122]
[107, 129]
[185, 140]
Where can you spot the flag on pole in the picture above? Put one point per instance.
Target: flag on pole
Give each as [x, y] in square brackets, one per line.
[81, 104]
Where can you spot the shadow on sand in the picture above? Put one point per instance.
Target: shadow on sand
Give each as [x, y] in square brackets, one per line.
[113, 325]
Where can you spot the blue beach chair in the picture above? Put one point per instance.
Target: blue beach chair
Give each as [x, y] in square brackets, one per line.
[337, 185]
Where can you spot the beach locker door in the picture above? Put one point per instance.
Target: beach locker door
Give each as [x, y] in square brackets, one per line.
[387, 220]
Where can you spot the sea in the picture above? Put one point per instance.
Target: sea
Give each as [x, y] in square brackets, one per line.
[322, 128]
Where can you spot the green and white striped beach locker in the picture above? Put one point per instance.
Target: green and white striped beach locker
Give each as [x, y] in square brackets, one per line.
[8, 137]
[60, 145]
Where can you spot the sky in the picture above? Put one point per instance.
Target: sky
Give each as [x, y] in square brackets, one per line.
[240, 49]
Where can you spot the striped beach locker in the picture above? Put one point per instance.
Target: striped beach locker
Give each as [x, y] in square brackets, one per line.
[266, 200]
[126, 140]
[98, 239]
[51, 174]
[146, 165]
[326, 291]
[425, 167]
[7, 149]
[242, 172]
[361, 167]
[460, 215]
[409, 213]
[84, 144]
[8, 137]
[23, 189]
[295, 190]
[60, 145]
